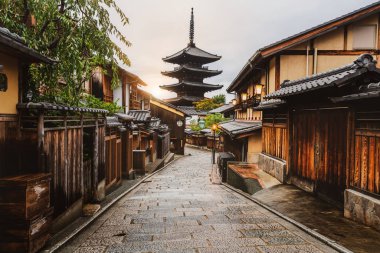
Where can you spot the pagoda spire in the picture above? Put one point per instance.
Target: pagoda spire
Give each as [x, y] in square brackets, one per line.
[192, 28]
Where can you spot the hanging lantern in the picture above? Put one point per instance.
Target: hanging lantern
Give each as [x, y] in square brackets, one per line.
[244, 96]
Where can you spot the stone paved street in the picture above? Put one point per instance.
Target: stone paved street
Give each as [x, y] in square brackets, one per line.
[179, 210]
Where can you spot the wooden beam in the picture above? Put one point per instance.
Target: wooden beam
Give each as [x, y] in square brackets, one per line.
[95, 162]
[277, 72]
[167, 108]
[41, 141]
[345, 38]
[378, 32]
[331, 52]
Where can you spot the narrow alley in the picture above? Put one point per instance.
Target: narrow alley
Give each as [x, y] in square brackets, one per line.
[180, 210]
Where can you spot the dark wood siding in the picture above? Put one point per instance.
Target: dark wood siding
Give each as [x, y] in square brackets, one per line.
[365, 173]
[177, 134]
[275, 135]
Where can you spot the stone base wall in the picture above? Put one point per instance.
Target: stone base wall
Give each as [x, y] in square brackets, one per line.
[272, 166]
[362, 208]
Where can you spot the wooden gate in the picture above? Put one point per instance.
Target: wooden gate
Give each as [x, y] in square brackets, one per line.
[113, 160]
[319, 149]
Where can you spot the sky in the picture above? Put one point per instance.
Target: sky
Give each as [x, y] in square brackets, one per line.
[233, 29]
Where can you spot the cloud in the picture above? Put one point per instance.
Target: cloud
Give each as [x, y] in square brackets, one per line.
[232, 29]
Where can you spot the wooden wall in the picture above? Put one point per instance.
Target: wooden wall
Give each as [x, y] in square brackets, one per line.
[70, 170]
[275, 135]
[17, 155]
[319, 153]
[113, 160]
[365, 171]
[169, 117]
[63, 150]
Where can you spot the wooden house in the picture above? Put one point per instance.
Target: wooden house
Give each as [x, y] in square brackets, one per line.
[332, 135]
[175, 119]
[40, 141]
[316, 50]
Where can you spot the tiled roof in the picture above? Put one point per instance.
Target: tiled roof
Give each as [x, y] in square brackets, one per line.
[184, 98]
[191, 70]
[223, 108]
[124, 117]
[327, 79]
[190, 110]
[154, 122]
[269, 104]
[371, 91]
[113, 122]
[193, 85]
[56, 107]
[140, 115]
[15, 42]
[235, 128]
[169, 105]
[192, 51]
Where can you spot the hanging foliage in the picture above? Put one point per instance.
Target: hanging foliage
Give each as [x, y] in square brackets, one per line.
[77, 33]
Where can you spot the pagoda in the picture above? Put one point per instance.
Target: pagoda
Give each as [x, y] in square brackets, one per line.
[190, 72]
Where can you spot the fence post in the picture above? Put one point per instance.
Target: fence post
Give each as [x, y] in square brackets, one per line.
[95, 167]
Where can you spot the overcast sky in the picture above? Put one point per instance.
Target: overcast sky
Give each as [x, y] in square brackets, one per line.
[234, 29]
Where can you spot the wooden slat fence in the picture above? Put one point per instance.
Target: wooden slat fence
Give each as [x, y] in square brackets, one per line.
[64, 160]
[113, 160]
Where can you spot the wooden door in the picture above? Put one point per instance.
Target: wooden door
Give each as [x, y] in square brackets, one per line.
[304, 142]
[319, 149]
[332, 151]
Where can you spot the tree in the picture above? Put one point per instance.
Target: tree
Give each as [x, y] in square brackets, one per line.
[74, 32]
[214, 119]
[209, 104]
[219, 99]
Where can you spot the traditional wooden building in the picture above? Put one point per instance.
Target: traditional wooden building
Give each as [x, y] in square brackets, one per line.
[175, 119]
[129, 95]
[190, 73]
[330, 139]
[53, 149]
[316, 50]
[241, 138]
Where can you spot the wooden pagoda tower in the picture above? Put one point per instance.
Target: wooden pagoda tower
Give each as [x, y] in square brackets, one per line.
[190, 72]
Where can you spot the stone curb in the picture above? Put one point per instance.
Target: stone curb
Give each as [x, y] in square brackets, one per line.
[333, 244]
[65, 240]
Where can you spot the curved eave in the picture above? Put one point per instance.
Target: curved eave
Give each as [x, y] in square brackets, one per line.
[193, 71]
[188, 53]
[184, 98]
[192, 85]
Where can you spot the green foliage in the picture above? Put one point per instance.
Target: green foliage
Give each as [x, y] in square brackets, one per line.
[219, 99]
[77, 33]
[214, 119]
[194, 125]
[209, 104]
[93, 102]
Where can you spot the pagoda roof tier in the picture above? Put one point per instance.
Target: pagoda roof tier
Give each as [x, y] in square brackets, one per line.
[184, 71]
[184, 100]
[192, 54]
[190, 85]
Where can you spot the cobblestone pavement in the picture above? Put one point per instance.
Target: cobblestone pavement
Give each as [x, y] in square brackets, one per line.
[179, 210]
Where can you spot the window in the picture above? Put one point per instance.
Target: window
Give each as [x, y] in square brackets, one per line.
[364, 37]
